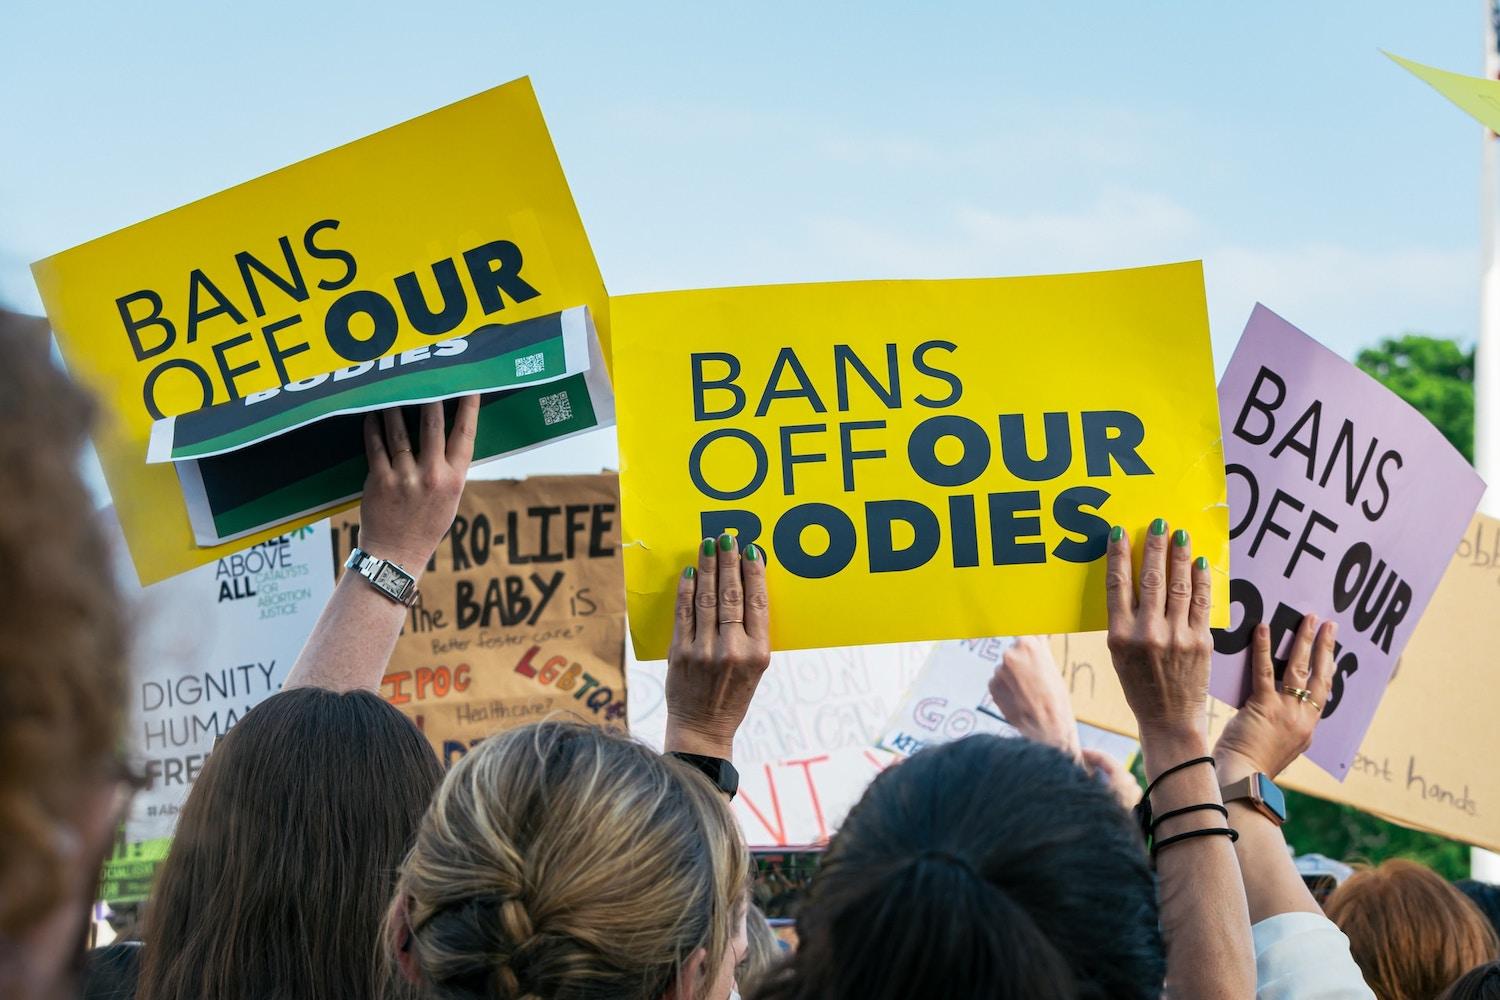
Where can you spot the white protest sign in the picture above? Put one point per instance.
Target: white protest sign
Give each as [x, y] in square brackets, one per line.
[210, 644]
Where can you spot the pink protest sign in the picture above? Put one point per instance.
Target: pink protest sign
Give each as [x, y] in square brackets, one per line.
[1344, 502]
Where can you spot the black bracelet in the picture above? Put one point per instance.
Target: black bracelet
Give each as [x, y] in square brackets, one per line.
[1143, 808]
[1169, 814]
[1212, 831]
[1174, 769]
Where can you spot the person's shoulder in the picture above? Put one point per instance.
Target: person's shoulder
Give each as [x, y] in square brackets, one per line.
[110, 972]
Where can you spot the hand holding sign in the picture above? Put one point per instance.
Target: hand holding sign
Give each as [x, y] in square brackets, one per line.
[1275, 727]
[1158, 634]
[721, 645]
[410, 498]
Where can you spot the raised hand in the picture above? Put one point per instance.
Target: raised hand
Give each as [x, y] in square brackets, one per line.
[410, 498]
[721, 645]
[1028, 688]
[1158, 632]
[1275, 726]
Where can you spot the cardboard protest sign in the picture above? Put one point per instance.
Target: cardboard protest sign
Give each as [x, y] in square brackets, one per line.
[423, 232]
[950, 699]
[209, 645]
[1346, 503]
[276, 455]
[1474, 95]
[919, 459]
[520, 614]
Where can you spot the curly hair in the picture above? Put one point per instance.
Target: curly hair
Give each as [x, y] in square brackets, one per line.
[62, 624]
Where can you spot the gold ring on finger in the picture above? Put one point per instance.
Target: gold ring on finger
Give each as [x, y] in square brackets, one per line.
[731, 621]
[1301, 694]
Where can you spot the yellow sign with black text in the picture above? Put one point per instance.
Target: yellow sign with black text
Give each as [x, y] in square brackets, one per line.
[424, 231]
[919, 459]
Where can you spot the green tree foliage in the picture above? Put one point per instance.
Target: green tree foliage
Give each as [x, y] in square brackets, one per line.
[1435, 376]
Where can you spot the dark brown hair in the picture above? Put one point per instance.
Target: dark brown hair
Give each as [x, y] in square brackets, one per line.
[987, 868]
[1410, 931]
[1482, 983]
[286, 854]
[62, 627]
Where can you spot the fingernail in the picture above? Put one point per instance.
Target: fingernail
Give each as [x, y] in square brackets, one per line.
[1158, 527]
[1179, 537]
[708, 546]
[750, 552]
[689, 573]
[1333, 630]
[1116, 533]
[726, 542]
[1201, 562]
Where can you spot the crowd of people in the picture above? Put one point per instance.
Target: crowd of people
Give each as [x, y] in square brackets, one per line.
[323, 852]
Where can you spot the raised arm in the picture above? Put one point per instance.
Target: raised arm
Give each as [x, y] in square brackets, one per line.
[1160, 643]
[1298, 951]
[1028, 689]
[409, 502]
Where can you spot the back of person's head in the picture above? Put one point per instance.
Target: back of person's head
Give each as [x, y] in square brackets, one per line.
[1482, 983]
[990, 868]
[563, 862]
[1411, 933]
[1483, 895]
[286, 854]
[62, 669]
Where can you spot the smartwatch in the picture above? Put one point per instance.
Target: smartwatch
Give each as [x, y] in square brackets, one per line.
[718, 770]
[385, 576]
[1261, 792]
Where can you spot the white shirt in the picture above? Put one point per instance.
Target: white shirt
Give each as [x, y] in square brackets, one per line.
[1304, 956]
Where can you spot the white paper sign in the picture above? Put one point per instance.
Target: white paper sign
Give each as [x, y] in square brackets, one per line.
[211, 644]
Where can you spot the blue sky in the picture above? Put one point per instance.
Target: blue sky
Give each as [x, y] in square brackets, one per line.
[710, 145]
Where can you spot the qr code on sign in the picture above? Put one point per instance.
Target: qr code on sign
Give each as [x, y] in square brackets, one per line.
[532, 364]
[556, 409]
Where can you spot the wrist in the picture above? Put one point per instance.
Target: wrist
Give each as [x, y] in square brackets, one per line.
[1232, 766]
[411, 559]
[686, 739]
[1168, 748]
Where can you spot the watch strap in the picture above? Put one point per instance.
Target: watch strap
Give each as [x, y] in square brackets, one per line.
[1247, 789]
[369, 567]
[723, 774]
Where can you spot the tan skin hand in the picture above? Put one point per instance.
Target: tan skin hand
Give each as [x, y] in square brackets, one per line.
[1158, 636]
[1122, 783]
[721, 647]
[1028, 689]
[1274, 728]
[410, 498]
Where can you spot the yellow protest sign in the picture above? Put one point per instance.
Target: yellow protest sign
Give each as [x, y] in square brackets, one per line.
[423, 231]
[920, 459]
[1427, 760]
[1475, 96]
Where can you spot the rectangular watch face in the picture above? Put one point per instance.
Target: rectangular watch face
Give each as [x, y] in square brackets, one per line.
[1271, 795]
[391, 580]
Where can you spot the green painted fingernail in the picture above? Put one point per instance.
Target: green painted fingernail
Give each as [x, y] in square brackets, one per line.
[708, 546]
[1179, 537]
[1158, 527]
[1116, 533]
[726, 542]
[751, 553]
[1201, 562]
[689, 573]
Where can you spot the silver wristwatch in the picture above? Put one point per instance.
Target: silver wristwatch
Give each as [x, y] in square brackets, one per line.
[385, 576]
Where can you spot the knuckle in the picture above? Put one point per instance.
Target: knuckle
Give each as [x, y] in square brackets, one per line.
[1180, 589]
[732, 595]
[760, 602]
[1151, 579]
[708, 599]
[1117, 581]
[1202, 600]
